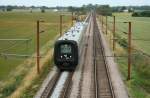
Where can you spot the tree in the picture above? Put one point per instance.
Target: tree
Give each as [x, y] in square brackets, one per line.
[70, 9]
[123, 8]
[104, 10]
[43, 9]
[135, 14]
[9, 8]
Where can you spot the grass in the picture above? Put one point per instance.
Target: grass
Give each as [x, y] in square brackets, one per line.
[140, 29]
[32, 89]
[23, 25]
[139, 85]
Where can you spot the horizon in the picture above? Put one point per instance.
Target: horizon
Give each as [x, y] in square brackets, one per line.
[77, 3]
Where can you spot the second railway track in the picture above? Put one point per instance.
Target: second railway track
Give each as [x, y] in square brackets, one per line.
[102, 82]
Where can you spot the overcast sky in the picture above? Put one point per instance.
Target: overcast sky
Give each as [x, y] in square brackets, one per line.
[52, 3]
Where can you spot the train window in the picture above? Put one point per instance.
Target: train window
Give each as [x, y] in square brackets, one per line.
[65, 48]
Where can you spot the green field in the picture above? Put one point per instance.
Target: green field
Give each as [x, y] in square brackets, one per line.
[140, 29]
[139, 85]
[20, 25]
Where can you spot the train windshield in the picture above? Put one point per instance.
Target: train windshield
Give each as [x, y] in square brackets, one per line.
[65, 48]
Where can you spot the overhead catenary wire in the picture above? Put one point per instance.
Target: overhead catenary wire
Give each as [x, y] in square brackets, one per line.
[141, 39]
[4, 53]
[14, 39]
[17, 42]
[23, 40]
[12, 46]
[146, 54]
[11, 55]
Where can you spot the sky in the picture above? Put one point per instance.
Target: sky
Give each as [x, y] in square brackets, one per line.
[52, 3]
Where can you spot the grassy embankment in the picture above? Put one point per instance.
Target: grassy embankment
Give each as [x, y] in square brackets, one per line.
[139, 85]
[13, 70]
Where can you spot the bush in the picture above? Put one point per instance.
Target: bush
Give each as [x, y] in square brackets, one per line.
[104, 10]
[42, 10]
[135, 14]
[141, 14]
[145, 13]
[122, 41]
[9, 8]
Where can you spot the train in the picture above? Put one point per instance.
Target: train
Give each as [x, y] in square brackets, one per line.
[67, 48]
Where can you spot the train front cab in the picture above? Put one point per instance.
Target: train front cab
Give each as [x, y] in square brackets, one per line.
[66, 54]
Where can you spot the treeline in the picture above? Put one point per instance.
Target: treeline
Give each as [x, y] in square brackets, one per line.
[11, 8]
[138, 11]
[25, 7]
[100, 9]
[130, 8]
[107, 10]
[140, 7]
[89, 6]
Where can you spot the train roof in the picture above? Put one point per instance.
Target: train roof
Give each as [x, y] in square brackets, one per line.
[75, 32]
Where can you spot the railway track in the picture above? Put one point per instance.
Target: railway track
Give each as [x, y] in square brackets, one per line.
[102, 83]
[61, 83]
[57, 87]
[66, 91]
[51, 90]
[51, 85]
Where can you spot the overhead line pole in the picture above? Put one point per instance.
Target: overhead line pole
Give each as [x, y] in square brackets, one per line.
[38, 42]
[106, 25]
[102, 23]
[114, 31]
[38, 45]
[60, 25]
[72, 18]
[129, 51]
